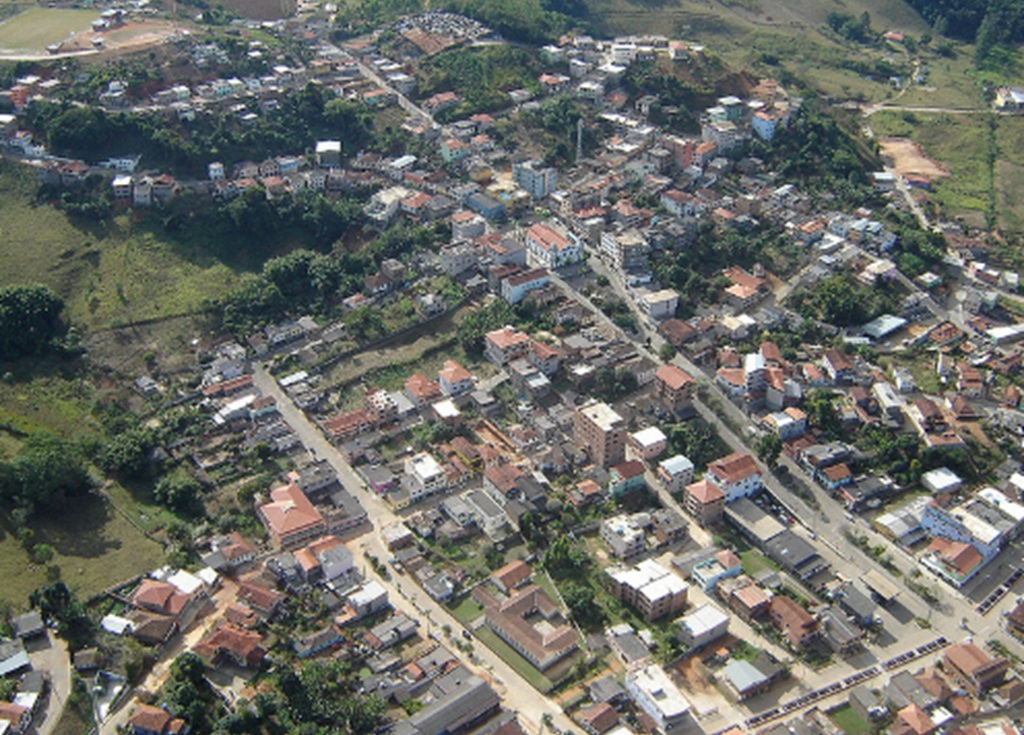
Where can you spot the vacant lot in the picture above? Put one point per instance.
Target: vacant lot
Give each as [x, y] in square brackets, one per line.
[909, 158]
[261, 9]
[35, 29]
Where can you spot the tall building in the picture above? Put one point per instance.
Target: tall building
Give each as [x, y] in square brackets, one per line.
[535, 178]
[601, 432]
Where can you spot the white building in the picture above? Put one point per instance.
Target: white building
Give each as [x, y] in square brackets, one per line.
[426, 476]
[654, 693]
[551, 246]
[702, 626]
[676, 473]
[624, 536]
[535, 178]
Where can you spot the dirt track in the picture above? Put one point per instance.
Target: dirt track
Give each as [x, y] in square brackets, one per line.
[909, 158]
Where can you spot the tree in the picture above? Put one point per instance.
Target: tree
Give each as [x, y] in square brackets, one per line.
[29, 320]
[46, 473]
[583, 608]
[565, 559]
[42, 553]
[769, 447]
[57, 602]
[180, 492]
[127, 453]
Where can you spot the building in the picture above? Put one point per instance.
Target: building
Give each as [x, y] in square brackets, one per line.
[723, 565]
[290, 518]
[650, 588]
[624, 535]
[504, 345]
[736, 475]
[531, 623]
[601, 432]
[796, 624]
[704, 501]
[675, 473]
[704, 625]
[660, 699]
[535, 178]
[552, 247]
[426, 476]
[460, 701]
[674, 388]
[454, 379]
[973, 669]
[647, 444]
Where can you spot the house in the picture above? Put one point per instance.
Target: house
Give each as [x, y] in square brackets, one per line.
[599, 718]
[228, 552]
[149, 720]
[743, 679]
[421, 391]
[29, 625]
[13, 657]
[675, 473]
[504, 345]
[736, 475]
[838, 366]
[625, 477]
[796, 624]
[454, 379]
[647, 444]
[674, 387]
[290, 518]
[658, 697]
[723, 565]
[973, 669]
[912, 720]
[229, 642]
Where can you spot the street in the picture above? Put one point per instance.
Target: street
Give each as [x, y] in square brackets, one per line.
[516, 692]
[51, 655]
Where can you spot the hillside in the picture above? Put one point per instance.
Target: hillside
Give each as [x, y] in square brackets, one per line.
[108, 273]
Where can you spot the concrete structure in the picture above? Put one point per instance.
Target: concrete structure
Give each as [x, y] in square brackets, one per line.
[655, 694]
[702, 626]
[649, 587]
[601, 432]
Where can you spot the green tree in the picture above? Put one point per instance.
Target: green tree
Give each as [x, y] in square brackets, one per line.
[127, 454]
[30, 320]
[180, 492]
[769, 447]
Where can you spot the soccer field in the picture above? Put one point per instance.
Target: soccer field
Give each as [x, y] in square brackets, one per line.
[35, 29]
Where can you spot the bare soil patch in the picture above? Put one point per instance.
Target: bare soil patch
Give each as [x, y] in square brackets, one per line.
[909, 157]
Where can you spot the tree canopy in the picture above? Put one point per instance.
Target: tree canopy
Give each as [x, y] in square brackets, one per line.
[30, 320]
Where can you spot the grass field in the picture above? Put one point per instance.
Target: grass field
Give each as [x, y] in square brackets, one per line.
[108, 274]
[95, 547]
[754, 561]
[73, 721]
[961, 142]
[849, 721]
[536, 679]
[467, 610]
[742, 31]
[35, 29]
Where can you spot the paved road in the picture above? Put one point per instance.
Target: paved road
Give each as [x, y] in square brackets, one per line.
[51, 656]
[829, 519]
[516, 692]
